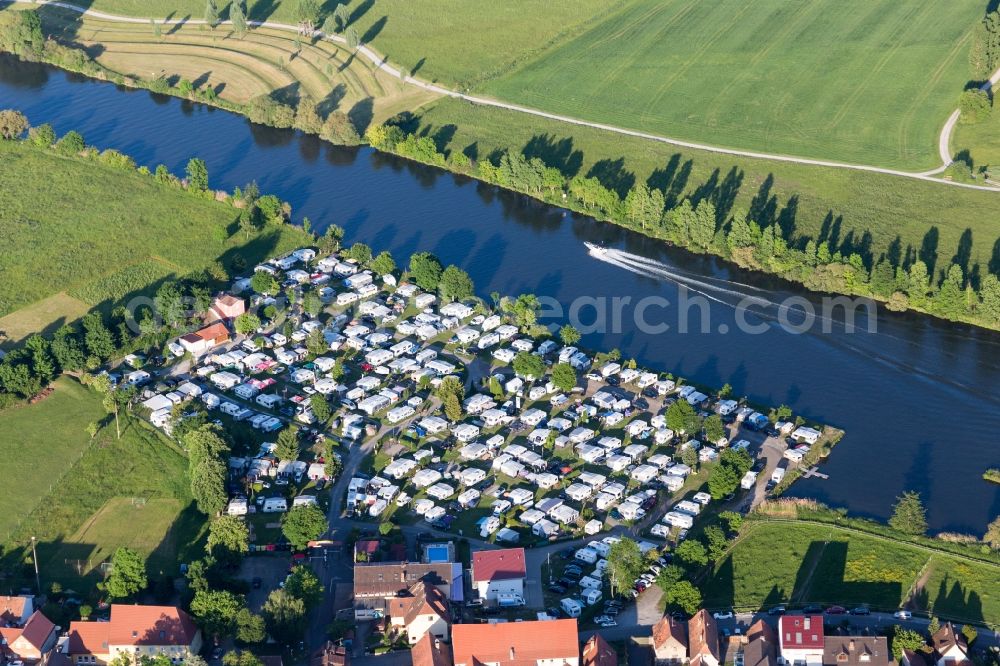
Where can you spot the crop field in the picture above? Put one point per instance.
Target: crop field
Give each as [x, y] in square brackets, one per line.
[453, 41]
[809, 563]
[869, 81]
[100, 233]
[264, 61]
[836, 205]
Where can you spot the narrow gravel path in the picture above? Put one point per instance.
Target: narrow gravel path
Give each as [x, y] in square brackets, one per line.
[381, 63]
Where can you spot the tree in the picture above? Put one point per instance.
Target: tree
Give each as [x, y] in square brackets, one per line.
[285, 616]
[303, 584]
[241, 658]
[685, 596]
[625, 564]
[287, 446]
[974, 106]
[905, 639]
[425, 269]
[351, 35]
[303, 524]
[228, 540]
[717, 542]
[128, 574]
[70, 144]
[208, 486]
[732, 519]
[263, 282]
[216, 610]
[96, 337]
[12, 124]
[247, 323]
[320, 407]
[338, 129]
[909, 515]
[714, 429]
[307, 15]
[529, 365]
[989, 293]
[360, 253]
[934, 625]
[238, 16]
[197, 174]
[249, 627]
[564, 377]
[992, 536]
[569, 335]
[692, 553]
[211, 14]
[42, 136]
[455, 284]
[681, 417]
[383, 263]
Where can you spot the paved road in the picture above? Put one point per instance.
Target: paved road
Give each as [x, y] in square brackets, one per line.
[379, 61]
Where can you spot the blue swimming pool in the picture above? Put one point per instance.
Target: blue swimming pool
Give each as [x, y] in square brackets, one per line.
[437, 554]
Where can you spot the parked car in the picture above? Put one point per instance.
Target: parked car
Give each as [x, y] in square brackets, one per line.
[723, 615]
[609, 623]
[812, 609]
[860, 610]
[777, 610]
[836, 610]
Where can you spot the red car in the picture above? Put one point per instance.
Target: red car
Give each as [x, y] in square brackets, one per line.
[836, 610]
[367, 367]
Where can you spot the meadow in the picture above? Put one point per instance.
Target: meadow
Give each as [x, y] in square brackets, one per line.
[861, 81]
[980, 141]
[869, 212]
[75, 495]
[99, 233]
[790, 562]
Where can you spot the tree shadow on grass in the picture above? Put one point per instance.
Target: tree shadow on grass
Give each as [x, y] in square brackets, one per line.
[361, 114]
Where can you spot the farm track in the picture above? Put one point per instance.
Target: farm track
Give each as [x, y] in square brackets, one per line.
[381, 64]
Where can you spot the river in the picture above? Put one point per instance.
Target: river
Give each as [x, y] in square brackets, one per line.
[918, 399]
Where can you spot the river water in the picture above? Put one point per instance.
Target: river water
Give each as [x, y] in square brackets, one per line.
[918, 399]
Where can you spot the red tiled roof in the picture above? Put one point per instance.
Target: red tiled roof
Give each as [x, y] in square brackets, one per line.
[668, 628]
[89, 637]
[503, 564]
[150, 625]
[213, 332]
[703, 637]
[12, 609]
[37, 629]
[426, 600]
[597, 652]
[429, 651]
[514, 643]
[801, 632]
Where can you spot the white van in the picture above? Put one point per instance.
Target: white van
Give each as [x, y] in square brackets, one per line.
[571, 607]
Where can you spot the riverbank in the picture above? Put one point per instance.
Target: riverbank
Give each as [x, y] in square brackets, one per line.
[860, 234]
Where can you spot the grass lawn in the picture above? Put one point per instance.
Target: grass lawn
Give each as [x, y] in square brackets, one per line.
[808, 563]
[44, 315]
[88, 511]
[982, 141]
[38, 443]
[849, 209]
[100, 233]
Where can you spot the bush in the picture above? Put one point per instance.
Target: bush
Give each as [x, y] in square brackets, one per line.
[974, 106]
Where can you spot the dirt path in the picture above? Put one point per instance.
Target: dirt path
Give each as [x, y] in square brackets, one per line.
[381, 63]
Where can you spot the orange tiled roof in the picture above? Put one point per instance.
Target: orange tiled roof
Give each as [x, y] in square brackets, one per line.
[514, 643]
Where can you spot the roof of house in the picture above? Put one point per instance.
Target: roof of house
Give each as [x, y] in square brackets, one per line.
[669, 629]
[133, 625]
[804, 632]
[37, 630]
[330, 655]
[429, 651]
[917, 658]
[423, 600]
[505, 564]
[389, 579]
[12, 609]
[946, 638]
[762, 645]
[856, 651]
[597, 652]
[703, 637]
[228, 299]
[514, 643]
[212, 332]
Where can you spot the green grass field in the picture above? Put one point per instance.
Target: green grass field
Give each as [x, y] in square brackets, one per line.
[76, 496]
[868, 82]
[981, 141]
[808, 563]
[82, 227]
[831, 204]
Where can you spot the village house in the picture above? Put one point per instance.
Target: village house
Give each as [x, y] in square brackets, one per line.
[498, 572]
[423, 611]
[376, 585]
[226, 307]
[598, 652]
[801, 639]
[670, 645]
[703, 640]
[28, 643]
[205, 339]
[761, 648]
[15, 611]
[428, 651]
[135, 630]
[541, 643]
